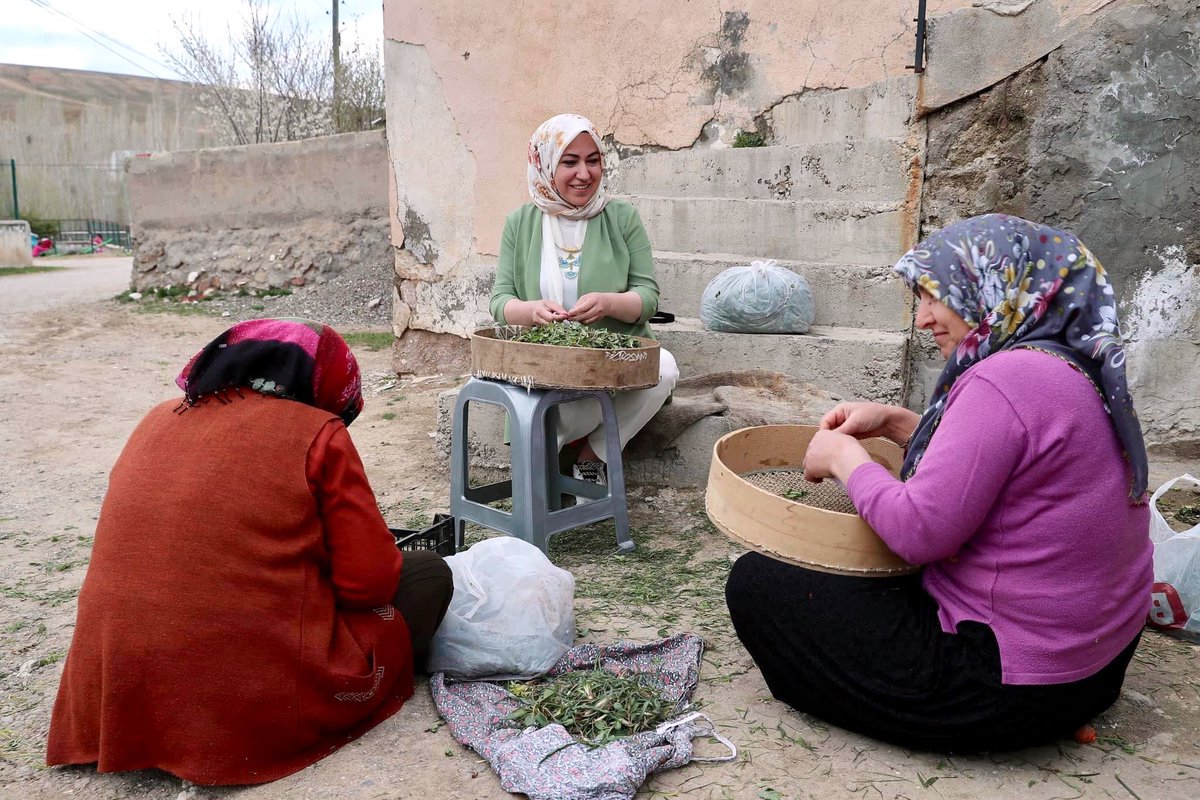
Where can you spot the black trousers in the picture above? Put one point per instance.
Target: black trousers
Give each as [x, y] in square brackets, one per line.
[869, 655]
[422, 597]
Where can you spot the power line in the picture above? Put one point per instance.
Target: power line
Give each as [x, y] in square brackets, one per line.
[46, 5]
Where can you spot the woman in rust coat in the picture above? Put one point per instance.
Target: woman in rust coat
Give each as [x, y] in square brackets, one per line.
[246, 611]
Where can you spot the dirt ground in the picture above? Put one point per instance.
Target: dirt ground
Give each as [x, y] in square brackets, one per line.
[79, 370]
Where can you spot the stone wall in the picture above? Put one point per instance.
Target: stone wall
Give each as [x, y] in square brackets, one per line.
[259, 216]
[1096, 135]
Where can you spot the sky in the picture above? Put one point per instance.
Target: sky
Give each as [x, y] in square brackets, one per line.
[125, 36]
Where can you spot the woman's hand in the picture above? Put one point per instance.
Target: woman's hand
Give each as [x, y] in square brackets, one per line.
[832, 454]
[533, 312]
[591, 307]
[595, 306]
[866, 420]
[542, 312]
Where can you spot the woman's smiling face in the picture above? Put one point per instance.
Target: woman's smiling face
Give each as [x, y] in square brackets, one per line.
[578, 174]
[947, 327]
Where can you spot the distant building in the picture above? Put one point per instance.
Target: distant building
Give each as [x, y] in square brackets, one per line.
[69, 132]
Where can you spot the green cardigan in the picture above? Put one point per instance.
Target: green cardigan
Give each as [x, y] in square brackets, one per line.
[616, 258]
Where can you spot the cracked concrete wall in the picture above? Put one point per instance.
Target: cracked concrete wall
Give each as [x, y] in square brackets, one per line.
[973, 48]
[1099, 137]
[468, 82]
[261, 216]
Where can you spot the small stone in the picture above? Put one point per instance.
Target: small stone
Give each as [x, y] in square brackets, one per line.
[135, 295]
[272, 258]
[194, 275]
[297, 281]
[224, 313]
[209, 292]
[1138, 699]
[374, 303]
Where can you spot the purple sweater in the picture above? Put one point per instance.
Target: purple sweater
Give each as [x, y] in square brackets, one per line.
[1020, 512]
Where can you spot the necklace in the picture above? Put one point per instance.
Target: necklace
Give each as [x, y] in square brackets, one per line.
[569, 258]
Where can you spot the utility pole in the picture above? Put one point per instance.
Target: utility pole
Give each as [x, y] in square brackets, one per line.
[337, 69]
[12, 165]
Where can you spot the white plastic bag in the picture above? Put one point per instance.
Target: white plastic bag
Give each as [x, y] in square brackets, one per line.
[761, 298]
[1175, 598]
[512, 614]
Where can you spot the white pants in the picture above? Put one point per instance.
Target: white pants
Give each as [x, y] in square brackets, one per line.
[634, 408]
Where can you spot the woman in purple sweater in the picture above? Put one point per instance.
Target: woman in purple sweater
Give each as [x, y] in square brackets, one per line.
[1022, 495]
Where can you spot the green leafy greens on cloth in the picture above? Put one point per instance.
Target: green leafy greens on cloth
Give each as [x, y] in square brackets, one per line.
[595, 705]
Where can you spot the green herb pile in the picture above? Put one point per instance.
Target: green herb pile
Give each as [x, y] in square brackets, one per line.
[573, 334]
[796, 494]
[595, 706]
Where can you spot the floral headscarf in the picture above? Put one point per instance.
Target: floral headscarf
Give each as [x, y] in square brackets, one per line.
[545, 149]
[293, 358]
[1023, 285]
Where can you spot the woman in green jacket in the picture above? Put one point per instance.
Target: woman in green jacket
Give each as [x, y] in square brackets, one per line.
[573, 254]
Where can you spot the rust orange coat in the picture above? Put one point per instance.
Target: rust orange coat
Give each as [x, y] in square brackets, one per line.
[235, 622]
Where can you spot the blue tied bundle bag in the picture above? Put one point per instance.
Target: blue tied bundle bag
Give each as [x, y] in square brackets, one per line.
[760, 298]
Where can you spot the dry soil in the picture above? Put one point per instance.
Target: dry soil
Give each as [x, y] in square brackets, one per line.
[79, 370]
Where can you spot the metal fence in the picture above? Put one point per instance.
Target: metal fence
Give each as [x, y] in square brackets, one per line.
[62, 190]
[90, 235]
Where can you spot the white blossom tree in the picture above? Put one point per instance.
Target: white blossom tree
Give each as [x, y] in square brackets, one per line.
[271, 79]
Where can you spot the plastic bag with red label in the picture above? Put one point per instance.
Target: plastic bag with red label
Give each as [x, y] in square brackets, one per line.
[1175, 598]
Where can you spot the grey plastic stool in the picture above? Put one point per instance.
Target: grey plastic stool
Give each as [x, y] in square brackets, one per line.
[535, 486]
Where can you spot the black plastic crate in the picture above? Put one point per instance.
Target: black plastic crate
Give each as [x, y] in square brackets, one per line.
[438, 537]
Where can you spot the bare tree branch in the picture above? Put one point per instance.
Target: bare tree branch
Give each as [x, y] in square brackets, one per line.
[272, 80]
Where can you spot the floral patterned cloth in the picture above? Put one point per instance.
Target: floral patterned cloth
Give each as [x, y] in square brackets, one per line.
[542, 763]
[294, 358]
[1020, 284]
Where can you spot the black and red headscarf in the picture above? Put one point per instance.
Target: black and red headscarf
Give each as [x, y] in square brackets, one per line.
[293, 358]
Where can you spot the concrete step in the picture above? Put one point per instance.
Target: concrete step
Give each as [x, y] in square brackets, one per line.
[850, 363]
[847, 295]
[796, 230]
[882, 110]
[854, 169]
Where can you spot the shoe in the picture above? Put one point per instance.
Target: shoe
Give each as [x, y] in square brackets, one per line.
[594, 471]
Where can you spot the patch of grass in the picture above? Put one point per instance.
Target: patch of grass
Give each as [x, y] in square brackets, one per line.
[673, 581]
[371, 340]
[389, 416]
[749, 139]
[50, 658]
[27, 270]
[55, 597]
[62, 566]
[415, 515]
[1115, 742]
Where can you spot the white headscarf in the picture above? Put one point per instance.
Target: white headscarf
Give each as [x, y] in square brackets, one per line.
[546, 147]
[562, 223]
